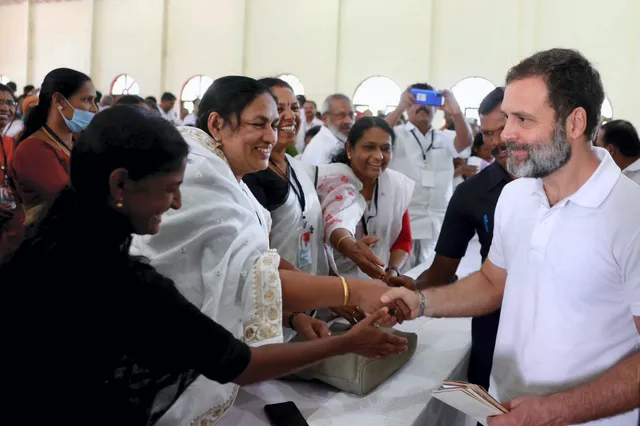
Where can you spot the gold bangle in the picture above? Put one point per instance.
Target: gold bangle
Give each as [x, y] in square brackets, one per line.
[341, 240]
[345, 287]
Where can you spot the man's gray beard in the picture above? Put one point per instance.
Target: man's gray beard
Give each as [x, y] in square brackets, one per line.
[337, 133]
[543, 159]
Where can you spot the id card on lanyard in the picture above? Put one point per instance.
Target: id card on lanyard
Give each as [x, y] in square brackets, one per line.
[305, 231]
[427, 175]
[304, 249]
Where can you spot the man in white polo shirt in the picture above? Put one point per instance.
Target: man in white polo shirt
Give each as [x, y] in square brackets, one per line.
[565, 259]
[620, 138]
[426, 155]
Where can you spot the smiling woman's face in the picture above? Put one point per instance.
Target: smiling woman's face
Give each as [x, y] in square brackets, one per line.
[146, 200]
[6, 112]
[289, 112]
[371, 154]
[247, 144]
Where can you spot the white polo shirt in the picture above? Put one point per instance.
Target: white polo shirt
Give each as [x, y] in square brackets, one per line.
[412, 154]
[633, 171]
[573, 284]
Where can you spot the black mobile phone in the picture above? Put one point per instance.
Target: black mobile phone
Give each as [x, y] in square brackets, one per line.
[284, 414]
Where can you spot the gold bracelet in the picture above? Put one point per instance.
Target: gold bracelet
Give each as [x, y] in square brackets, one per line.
[345, 287]
[341, 240]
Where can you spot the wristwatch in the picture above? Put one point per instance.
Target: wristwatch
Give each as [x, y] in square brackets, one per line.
[393, 268]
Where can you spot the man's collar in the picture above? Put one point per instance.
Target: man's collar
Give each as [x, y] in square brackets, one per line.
[410, 127]
[633, 167]
[597, 188]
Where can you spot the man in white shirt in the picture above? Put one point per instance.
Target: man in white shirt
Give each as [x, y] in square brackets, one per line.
[338, 117]
[426, 155]
[620, 138]
[564, 263]
[167, 103]
[310, 120]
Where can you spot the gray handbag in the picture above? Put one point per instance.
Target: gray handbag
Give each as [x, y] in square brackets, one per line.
[354, 373]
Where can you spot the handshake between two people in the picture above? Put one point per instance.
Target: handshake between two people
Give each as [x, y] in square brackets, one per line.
[401, 303]
[396, 292]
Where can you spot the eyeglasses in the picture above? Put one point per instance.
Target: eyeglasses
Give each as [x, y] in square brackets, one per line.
[343, 115]
[10, 103]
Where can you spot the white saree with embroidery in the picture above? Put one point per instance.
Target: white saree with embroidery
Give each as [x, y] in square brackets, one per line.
[216, 249]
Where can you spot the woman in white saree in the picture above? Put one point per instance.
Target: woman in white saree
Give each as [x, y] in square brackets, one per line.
[365, 205]
[286, 188]
[216, 247]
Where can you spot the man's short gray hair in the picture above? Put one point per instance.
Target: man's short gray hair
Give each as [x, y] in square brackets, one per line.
[326, 105]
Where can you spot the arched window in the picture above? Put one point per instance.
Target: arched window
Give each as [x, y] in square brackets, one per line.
[4, 79]
[378, 94]
[193, 90]
[124, 84]
[607, 110]
[294, 82]
[470, 92]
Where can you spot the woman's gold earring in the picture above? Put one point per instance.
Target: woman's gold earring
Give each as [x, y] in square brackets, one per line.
[119, 204]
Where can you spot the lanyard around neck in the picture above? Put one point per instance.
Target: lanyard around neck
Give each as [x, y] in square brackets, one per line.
[422, 151]
[297, 191]
[375, 204]
[53, 136]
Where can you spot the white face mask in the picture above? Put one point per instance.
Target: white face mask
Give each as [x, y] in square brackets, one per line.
[80, 120]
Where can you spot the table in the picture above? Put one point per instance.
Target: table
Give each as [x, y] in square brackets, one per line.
[405, 399]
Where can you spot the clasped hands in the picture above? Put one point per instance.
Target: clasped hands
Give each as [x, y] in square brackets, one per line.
[402, 304]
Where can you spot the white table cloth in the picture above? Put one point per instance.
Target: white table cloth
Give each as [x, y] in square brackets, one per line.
[404, 399]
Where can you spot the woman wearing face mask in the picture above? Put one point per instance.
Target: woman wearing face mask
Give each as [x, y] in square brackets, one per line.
[216, 247]
[41, 163]
[366, 205]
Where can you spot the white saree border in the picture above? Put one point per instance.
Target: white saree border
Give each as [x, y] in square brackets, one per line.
[214, 414]
[265, 322]
[216, 249]
[262, 326]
